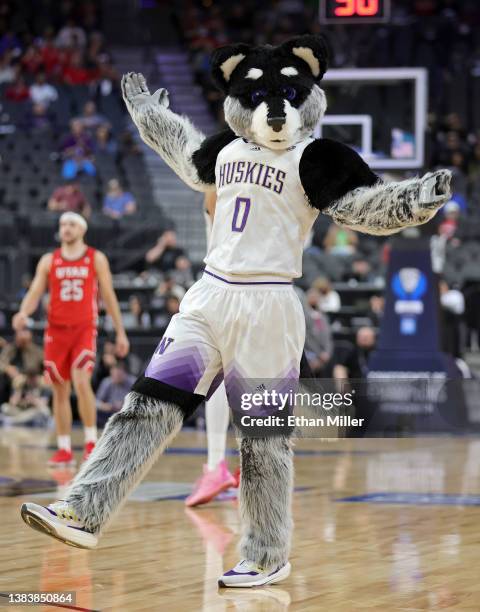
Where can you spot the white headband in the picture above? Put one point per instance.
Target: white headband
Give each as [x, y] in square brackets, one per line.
[75, 218]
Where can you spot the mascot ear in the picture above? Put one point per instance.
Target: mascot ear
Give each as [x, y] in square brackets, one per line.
[224, 60]
[313, 50]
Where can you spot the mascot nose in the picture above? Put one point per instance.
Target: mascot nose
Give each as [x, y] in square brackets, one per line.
[276, 123]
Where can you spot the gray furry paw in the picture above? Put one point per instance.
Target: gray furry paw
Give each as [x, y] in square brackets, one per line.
[137, 95]
[435, 189]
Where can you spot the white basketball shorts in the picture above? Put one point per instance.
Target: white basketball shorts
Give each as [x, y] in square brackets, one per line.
[236, 330]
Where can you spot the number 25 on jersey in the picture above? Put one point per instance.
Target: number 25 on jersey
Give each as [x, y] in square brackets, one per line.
[71, 290]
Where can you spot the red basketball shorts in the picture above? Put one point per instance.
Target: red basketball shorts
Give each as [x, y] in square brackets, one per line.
[68, 348]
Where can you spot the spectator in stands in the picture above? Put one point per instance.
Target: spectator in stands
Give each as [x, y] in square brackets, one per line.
[165, 253]
[318, 337]
[31, 61]
[76, 73]
[108, 359]
[137, 316]
[351, 361]
[183, 271]
[118, 203]
[340, 240]
[28, 402]
[38, 119]
[71, 36]
[7, 71]
[172, 307]
[104, 141]
[169, 285]
[453, 307]
[361, 270]
[112, 391]
[17, 91]
[77, 152]
[376, 309]
[451, 220]
[42, 92]
[322, 297]
[17, 357]
[90, 119]
[69, 197]
[9, 41]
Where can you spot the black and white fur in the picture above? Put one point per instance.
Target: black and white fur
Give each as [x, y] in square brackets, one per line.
[273, 98]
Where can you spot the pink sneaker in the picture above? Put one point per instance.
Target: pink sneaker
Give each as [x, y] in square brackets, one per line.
[210, 484]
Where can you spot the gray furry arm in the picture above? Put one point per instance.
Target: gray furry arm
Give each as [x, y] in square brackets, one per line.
[387, 208]
[172, 136]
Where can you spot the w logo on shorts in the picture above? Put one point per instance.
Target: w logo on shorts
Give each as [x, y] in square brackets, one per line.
[164, 344]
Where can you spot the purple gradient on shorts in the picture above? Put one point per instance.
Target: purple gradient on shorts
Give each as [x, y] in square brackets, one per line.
[216, 382]
[181, 368]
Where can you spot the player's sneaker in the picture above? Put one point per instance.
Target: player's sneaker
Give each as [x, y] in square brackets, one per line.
[247, 574]
[62, 458]
[89, 446]
[59, 521]
[210, 484]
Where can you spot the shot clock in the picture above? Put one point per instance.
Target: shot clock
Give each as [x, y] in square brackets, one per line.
[354, 11]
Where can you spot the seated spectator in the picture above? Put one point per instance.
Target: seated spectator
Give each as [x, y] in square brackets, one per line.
[31, 61]
[451, 220]
[340, 240]
[376, 309]
[183, 272]
[453, 308]
[322, 297]
[69, 197]
[7, 71]
[42, 92]
[136, 316]
[165, 253]
[112, 391]
[28, 402]
[75, 72]
[318, 337]
[351, 361]
[169, 285]
[108, 359]
[172, 307]
[17, 91]
[71, 35]
[77, 152]
[104, 142]
[361, 271]
[38, 119]
[118, 203]
[17, 357]
[90, 119]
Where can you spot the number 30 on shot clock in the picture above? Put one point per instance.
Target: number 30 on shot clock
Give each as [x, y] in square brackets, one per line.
[354, 11]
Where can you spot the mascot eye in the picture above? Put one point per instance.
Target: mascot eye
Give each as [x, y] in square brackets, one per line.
[258, 95]
[290, 93]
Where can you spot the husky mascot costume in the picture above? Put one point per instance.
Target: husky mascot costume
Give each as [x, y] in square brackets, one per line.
[242, 320]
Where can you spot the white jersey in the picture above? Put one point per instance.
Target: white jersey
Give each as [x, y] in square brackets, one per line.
[262, 217]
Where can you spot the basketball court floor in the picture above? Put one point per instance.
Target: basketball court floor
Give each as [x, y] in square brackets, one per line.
[381, 525]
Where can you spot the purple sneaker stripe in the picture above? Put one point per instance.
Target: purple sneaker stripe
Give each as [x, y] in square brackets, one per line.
[234, 573]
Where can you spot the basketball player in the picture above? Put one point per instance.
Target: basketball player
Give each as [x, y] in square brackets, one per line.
[71, 274]
[216, 476]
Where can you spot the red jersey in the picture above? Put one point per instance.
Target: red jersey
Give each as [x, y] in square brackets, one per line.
[73, 290]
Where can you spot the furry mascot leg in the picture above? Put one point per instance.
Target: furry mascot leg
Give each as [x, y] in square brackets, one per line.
[131, 441]
[265, 500]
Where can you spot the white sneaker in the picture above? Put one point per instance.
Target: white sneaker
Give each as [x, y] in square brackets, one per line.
[247, 574]
[59, 521]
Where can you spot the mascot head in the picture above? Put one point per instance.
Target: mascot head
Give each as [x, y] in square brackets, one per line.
[272, 93]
